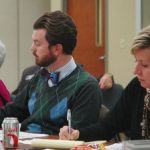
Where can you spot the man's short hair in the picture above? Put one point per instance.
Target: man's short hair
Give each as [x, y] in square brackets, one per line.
[60, 29]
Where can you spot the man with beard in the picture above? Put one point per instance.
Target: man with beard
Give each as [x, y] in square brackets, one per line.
[59, 85]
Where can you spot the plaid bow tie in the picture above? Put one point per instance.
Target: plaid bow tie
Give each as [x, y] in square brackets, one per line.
[54, 76]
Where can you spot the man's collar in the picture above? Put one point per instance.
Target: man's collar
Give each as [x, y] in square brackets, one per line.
[66, 69]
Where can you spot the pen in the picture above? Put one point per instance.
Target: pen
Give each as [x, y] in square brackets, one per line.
[69, 122]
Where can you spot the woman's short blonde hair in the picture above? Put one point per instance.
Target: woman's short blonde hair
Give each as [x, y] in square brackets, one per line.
[2, 53]
[142, 40]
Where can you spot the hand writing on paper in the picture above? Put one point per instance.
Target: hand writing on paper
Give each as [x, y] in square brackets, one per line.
[64, 134]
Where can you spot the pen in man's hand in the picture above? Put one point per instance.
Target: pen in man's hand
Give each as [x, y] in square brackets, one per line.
[69, 122]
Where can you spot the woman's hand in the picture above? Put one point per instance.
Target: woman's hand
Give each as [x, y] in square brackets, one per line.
[106, 81]
[64, 134]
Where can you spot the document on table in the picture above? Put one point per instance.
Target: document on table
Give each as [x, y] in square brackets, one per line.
[52, 143]
[25, 135]
[65, 144]
[59, 144]
[116, 146]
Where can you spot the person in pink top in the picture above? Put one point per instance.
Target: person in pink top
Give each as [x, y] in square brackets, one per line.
[4, 93]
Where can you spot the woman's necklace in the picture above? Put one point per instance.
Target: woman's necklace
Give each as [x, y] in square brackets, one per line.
[146, 114]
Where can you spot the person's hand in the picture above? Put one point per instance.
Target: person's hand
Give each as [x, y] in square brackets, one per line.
[106, 81]
[64, 134]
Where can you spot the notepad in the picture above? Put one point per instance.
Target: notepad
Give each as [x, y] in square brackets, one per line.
[51, 143]
[60, 144]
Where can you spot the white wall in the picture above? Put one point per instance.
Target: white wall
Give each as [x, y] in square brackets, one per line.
[121, 29]
[16, 20]
[29, 11]
[56, 5]
[8, 34]
[145, 13]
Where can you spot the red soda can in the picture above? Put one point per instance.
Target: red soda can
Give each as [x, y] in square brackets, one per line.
[10, 127]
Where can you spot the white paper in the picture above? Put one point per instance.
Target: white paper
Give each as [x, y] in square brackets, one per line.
[25, 142]
[25, 135]
[96, 142]
[116, 146]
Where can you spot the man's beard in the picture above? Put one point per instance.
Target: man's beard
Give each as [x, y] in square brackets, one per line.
[47, 61]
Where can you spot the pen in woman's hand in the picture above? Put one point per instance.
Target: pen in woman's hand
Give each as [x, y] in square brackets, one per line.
[69, 122]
